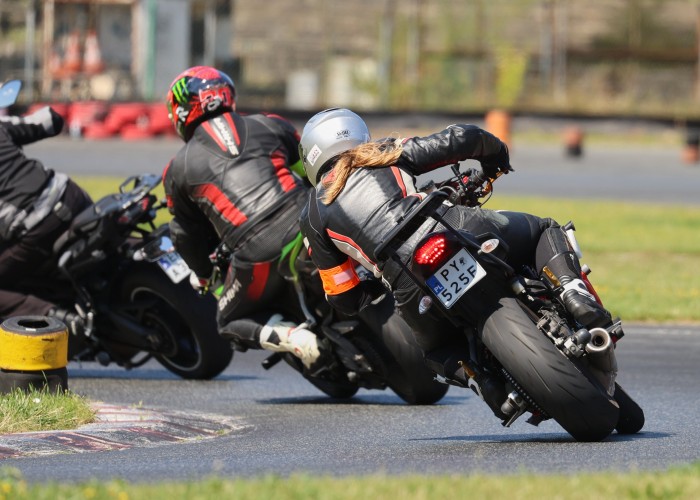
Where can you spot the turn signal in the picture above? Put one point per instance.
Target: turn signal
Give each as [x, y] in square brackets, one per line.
[489, 246]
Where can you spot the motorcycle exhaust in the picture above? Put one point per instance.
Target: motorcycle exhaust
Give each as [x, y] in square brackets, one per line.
[601, 354]
[599, 347]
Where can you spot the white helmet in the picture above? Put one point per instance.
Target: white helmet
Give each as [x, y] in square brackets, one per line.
[326, 135]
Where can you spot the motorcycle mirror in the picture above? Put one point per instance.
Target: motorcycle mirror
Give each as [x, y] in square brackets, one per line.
[9, 92]
[489, 246]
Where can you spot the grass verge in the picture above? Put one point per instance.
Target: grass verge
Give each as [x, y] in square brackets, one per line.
[41, 410]
[677, 483]
[643, 256]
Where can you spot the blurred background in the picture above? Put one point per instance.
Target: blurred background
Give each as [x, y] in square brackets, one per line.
[630, 59]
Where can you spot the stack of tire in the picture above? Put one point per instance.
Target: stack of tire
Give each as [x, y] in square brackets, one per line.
[83, 116]
[126, 120]
[103, 120]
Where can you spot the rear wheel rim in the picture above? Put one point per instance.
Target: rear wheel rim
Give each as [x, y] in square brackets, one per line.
[174, 334]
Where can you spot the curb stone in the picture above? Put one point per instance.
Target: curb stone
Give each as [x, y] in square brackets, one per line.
[120, 428]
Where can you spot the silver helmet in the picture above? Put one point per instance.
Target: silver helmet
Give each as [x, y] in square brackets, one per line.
[326, 135]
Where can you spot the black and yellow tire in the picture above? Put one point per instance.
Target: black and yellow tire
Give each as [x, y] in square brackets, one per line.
[33, 354]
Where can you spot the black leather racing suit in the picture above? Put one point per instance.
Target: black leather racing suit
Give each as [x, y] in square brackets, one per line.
[375, 199]
[232, 183]
[36, 207]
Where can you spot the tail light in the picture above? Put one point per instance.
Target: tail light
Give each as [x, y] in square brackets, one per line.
[432, 251]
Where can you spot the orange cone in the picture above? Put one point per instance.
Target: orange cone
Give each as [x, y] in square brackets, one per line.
[573, 142]
[691, 151]
[71, 62]
[498, 122]
[92, 63]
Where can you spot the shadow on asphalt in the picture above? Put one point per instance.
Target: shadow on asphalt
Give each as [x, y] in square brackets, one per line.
[544, 438]
[122, 374]
[385, 399]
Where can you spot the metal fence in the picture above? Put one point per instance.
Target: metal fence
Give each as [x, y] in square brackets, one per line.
[628, 57]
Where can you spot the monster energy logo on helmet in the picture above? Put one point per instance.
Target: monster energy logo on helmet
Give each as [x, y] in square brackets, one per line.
[180, 91]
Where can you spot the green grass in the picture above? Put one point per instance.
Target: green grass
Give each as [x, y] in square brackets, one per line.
[677, 483]
[642, 256]
[41, 410]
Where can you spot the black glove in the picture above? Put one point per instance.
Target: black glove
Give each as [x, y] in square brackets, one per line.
[56, 121]
[493, 164]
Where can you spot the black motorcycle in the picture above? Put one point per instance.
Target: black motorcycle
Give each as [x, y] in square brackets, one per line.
[374, 350]
[520, 350]
[122, 275]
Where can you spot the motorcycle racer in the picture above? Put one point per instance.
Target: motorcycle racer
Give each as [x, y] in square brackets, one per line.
[233, 183]
[364, 188]
[36, 206]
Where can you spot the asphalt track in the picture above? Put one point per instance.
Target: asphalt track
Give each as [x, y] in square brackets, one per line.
[275, 422]
[644, 174]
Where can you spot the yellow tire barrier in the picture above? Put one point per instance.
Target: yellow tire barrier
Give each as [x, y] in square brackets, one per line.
[33, 353]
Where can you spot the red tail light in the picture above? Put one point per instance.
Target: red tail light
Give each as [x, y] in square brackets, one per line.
[432, 251]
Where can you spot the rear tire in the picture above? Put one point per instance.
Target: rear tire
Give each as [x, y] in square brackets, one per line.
[185, 321]
[563, 390]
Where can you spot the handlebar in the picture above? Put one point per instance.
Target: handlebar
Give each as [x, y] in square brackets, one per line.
[468, 188]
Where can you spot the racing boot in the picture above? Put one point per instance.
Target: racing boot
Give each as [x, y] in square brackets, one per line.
[282, 336]
[563, 271]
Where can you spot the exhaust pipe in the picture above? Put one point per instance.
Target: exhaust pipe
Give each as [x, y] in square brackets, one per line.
[600, 343]
[601, 354]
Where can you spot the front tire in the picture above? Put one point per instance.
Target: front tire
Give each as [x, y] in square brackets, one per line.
[406, 372]
[191, 346]
[631, 418]
[335, 387]
[566, 393]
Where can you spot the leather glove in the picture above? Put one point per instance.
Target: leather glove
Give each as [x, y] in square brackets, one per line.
[49, 119]
[375, 289]
[493, 164]
[56, 121]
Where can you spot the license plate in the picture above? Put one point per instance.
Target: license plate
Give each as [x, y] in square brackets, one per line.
[457, 276]
[174, 266]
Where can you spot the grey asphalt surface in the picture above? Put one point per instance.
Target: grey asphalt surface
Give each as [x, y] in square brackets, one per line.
[618, 172]
[291, 427]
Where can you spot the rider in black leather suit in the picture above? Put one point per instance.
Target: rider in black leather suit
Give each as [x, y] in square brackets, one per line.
[232, 183]
[345, 227]
[36, 206]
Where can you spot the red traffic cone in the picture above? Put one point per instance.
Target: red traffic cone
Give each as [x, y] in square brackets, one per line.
[56, 69]
[71, 61]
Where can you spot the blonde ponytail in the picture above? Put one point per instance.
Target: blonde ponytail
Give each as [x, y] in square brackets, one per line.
[367, 155]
